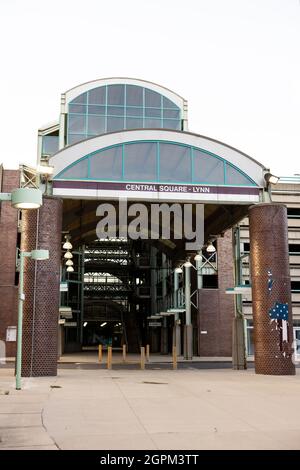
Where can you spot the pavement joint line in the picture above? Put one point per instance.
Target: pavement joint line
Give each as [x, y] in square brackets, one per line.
[20, 426]
[136, 415]
[51, 391]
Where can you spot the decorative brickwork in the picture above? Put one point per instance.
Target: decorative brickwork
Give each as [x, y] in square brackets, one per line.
[270, 277]
[216, 308]
[9, 180]
[41, 229]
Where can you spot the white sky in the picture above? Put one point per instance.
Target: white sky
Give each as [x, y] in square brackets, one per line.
[237, 62]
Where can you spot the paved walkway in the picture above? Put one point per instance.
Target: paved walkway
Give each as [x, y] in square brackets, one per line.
[152, 409]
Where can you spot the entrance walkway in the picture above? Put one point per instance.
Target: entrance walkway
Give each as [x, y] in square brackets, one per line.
[154, 409]
[91, 357]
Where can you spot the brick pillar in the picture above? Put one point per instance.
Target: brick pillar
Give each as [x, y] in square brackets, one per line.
[269, 253]
[41, 229]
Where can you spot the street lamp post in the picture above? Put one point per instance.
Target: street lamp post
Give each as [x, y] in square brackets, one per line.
[36, 255]
[24, 198]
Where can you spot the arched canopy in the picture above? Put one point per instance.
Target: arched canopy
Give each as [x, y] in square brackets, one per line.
[156, 161]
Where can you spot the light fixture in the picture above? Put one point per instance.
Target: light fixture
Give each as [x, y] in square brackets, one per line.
[187, 264]
[271, 179]
[26, 198]
[69, 262]
[45, 169]
[39, 255]
[67, 245]
[68, 255]
[178, 270]
[198, 257]
[103, 324]
[85, 323]
[70, 269]
[210, 248]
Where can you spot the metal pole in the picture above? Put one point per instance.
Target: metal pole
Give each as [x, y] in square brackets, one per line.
[187, 294]
[199, 273]
[188, 327]
[20, 322]
[176, 284]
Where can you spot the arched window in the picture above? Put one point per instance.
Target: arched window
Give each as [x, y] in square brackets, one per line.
[156, 161]
[112, 108]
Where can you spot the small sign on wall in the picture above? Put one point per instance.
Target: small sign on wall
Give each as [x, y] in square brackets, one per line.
[11, 333]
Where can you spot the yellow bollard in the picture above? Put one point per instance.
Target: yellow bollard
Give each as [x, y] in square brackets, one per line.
[124, 352]
[142, 358]
[100, 353]
[174, 358]
[109, 357]
[148, 352]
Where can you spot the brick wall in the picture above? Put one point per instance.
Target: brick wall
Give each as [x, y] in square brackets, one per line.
[216, 309]
[8, 241]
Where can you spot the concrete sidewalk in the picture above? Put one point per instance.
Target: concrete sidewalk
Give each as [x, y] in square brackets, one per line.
[152, 409]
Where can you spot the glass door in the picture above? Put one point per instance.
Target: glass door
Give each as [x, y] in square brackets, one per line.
[297, 343]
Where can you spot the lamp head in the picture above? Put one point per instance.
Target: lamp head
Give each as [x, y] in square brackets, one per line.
[26, 198]
[68, 255]
[70, 269]
[69, 262]
[46, 170]
[210, 248]
[178, 270]
[40, 255]
[271, 179]
[187, 264]
[67, 245]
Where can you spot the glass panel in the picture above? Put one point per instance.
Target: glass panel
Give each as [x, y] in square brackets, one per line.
[50, 144]
[140, 161]
[250, 341]
[115, 124]
[175, 163]
[134, 95]
[168, 103]
[97, 110]
[297, 343]
[97, 95]
[152, 98]
[115, 94]
[96, 125]
[153, 123]
[115, 110]
[171, 113]
[136, 112]
[76, 123]
[233, 176]
[81, 99]
[132, 123]
[79, 170]
[77, 108]
[74, 138]
[207, 169]
[107, 164]
[153, 112]
[172, 124]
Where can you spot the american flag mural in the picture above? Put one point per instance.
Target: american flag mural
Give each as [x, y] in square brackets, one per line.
[279, 313]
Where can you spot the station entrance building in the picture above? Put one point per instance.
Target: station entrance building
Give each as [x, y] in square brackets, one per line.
[119, 148]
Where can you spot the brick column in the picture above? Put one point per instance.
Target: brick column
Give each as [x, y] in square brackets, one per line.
[270, 277]
[41, 229]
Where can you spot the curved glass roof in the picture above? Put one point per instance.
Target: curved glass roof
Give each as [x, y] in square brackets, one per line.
[156, 161]
[117, 107]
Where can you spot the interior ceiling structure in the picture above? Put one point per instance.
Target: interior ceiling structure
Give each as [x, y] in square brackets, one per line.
[80, 220]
